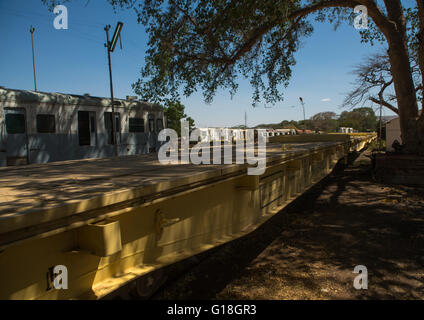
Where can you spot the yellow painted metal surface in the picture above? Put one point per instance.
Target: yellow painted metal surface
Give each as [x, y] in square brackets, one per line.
[110, 221]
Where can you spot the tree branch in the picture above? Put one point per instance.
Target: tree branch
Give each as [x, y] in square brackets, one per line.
[322, 5]
[385, 103]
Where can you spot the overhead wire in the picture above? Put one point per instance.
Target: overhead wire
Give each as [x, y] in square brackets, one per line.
[34, 14]
[88, 35]
[82, 34]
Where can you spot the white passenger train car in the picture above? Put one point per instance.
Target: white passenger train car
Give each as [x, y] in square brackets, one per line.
[221, 134]
[40, 127]
[346, 130]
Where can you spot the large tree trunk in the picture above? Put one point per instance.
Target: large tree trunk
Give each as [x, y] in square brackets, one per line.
[412, 137]
[420, 5]
[411, 129]
[420, 123]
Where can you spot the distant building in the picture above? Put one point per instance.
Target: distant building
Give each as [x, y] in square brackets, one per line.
[301, 131]
[392, 133]
[345, 130]
[220, 134]
[385, 119]
[285, 131]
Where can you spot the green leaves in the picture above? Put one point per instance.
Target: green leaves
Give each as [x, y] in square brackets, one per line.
[174, 112]
[207, 45]
[204, 45]
[361, 119]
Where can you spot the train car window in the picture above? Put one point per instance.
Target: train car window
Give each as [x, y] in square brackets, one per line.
[151, 125]
[46, 123]
[15, 123]
[136, 125]
[160, 124]
[109, 128]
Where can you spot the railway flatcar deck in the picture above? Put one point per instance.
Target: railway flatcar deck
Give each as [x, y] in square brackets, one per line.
[110, 221]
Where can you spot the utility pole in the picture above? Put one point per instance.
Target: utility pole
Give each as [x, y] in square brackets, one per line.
[245, 119]
[108, 46]
[304, 117]
[33, 56]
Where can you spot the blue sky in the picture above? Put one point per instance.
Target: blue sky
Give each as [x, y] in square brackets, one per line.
[75, 61]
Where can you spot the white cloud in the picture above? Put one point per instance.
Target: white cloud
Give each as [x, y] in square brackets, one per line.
[326, 100]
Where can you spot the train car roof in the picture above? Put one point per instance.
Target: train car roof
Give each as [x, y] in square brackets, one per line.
[70, 99]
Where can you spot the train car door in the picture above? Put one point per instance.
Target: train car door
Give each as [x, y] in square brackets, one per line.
[87, 131]
[159, 128]
[16, 137]
[152, 133]
[109, 128]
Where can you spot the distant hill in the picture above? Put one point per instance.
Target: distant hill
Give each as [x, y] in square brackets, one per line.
[269, 126]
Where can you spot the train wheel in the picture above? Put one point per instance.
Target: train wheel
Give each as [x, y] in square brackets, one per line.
[145, 286]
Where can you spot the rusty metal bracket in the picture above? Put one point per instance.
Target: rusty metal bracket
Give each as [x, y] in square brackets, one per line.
[162, 222]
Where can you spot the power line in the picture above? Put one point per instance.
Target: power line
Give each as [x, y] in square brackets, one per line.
[84, 35]
[31, 14]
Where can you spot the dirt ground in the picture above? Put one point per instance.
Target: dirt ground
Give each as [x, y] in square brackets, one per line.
[309, 249]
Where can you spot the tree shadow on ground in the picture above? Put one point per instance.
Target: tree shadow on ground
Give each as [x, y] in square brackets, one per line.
[310, 248]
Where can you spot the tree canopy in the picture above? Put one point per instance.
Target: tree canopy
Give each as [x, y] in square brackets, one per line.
[174, 113]
[374, 80]
[361, 119]
[324, 121]
[205, 45]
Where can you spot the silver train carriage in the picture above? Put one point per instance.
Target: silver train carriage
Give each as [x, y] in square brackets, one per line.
[46, 127]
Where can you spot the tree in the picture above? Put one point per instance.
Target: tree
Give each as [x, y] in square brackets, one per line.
[324, 121]
[361, 119]
[174, 112]
[190, 123]
[292, 124]
[374, 78]
[206, 45]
